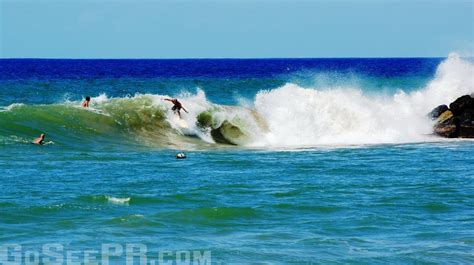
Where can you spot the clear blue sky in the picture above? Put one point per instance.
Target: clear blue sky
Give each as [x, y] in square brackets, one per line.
[235, 29]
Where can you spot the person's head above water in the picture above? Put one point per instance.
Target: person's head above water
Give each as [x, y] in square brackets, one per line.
[42, 136]
[85, 104]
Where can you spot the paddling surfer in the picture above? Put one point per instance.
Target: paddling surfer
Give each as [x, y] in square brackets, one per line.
[39, 140]
[177, 106]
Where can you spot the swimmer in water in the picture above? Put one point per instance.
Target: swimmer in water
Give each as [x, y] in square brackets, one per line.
[85, 104]
[39, 140]
[177, 106]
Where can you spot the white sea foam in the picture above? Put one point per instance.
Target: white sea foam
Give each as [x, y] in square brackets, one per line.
[116, 200]
[100, 99]
[11, 106]
[299, 116]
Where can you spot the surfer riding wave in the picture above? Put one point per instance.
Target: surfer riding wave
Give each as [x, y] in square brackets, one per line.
[177, 106]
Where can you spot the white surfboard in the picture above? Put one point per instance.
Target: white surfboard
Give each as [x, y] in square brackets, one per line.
[181, 123]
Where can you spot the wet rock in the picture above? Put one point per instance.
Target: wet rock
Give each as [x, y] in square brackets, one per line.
[466, 124]
[457, 121]
[462, 103]
[446, 125]
[436, 112]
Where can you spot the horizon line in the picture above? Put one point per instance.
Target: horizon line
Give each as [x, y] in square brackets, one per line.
[224, 58]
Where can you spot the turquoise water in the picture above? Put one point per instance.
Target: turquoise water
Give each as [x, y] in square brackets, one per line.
[396, 203]
[327, 194]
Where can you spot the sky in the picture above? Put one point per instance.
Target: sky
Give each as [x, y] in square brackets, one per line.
[235, 29]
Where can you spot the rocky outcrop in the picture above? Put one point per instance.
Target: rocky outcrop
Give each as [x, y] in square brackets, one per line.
[455, 121]
[461, 104]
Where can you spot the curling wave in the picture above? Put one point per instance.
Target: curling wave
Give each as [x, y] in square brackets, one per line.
[290, 116]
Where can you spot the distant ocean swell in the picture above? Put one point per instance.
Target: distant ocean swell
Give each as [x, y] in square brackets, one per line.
[288, 116]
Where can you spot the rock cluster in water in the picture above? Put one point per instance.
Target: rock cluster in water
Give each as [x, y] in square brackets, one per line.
[457, 120]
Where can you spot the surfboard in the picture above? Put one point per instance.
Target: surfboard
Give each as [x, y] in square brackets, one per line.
[181, 123]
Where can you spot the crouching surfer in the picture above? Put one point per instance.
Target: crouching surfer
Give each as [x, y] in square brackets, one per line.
[39, 140]
[177, 106]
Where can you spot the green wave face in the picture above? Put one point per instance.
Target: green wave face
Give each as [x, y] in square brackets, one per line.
[63, 123]
[117, 121]
[141, 120]
[231, 125]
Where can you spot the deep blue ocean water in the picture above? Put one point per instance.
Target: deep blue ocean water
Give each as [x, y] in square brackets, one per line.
[289, 161]
[49, 81]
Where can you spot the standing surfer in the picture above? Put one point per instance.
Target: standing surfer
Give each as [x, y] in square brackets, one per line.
[177, 106]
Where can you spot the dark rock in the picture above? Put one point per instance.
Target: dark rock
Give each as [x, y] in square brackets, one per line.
[466, 130]
[460, 104]
[458, 121]
[436, 112]
[468, 114]
[466, 124]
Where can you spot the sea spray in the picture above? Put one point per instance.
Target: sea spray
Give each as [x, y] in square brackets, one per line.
[345, 115]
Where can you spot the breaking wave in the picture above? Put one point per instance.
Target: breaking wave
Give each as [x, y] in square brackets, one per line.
[288, 116]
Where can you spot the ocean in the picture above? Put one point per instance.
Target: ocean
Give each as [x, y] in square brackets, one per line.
[289, 161]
